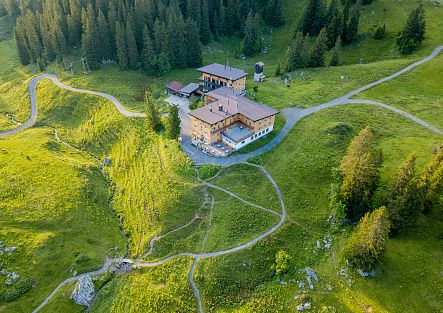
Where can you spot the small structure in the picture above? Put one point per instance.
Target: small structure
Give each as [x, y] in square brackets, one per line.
[216, 75]
[258, 72]
[189, 89]
[230, 121]
[179, 90]
[173, 88]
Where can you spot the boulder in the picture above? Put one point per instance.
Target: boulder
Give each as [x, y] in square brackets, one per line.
[366, 274]
[84, 291]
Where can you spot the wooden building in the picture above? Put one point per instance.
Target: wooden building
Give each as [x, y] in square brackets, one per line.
[231, 119]
[216, 75]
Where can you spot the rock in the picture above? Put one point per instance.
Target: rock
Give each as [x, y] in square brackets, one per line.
[318, 244]
[1, 244]
[311, 285]
[13, 249]
[329, 287]
[311, 273]
[301, 285]
[300, 308]
[75, 273]
[15, 276]
[84, 291]
[366, 274]
[107, 161]
[307, 305]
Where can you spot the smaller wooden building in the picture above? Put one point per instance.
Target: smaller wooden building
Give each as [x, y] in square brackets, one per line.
[215, 76]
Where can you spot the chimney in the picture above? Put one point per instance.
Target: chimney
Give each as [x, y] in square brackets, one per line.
[210, 108]
[220, 107]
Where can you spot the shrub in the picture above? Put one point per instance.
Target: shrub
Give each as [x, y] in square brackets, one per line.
[380, 32]
[413, 33]
[282, 263]
[366, 244]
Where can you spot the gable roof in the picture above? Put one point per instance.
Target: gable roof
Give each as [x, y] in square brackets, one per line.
[227, 104]
[223, 71]
[176, 86]
[190, 88]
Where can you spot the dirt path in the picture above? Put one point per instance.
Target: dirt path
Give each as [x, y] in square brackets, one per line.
[292, 117]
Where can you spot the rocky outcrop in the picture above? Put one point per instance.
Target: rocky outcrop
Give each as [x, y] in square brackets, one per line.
[84, 291]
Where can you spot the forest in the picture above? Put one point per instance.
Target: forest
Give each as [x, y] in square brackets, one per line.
[154, 34]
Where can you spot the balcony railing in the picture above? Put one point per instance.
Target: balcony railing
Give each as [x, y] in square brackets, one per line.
[209, 85]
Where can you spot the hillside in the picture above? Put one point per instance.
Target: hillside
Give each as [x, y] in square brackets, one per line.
[66, 213]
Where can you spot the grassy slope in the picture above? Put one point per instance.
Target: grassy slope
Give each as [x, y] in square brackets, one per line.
[54, 208]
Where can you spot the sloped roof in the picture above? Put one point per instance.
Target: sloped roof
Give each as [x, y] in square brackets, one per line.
[176, 86]
[223, 71]
[190, 88]
[227, 103]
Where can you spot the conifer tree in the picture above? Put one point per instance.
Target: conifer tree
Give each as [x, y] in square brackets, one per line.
[194, 56]
[312, 20]
[91, 46]
[334, 29]
[413, 33]
[153, 122]
[360, 171]
[297, 53]
[205, 30]
[273, 13]
[173, 126]
[351, 30]
[317, 58]
[431, 181]
[122, 53]
[74, 23]
[252, 35]
[404, 199]
[104, 37]
[131, 46]
[335, 59]
[367, 243]
[22, 47]
[148, 52]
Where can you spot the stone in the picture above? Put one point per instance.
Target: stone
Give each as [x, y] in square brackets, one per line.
[311, 273]
[311, 285]
[300, 308]
[318, 244]
[107, 161]
[301, 285]
[307, 305]
[75, 273]
[13, 249]
[366, 274]
[84, 292]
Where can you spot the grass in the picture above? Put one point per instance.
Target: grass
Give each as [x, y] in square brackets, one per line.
[54, 209]
[417, 92]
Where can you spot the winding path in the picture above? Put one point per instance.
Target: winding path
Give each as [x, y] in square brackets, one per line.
[292, 116]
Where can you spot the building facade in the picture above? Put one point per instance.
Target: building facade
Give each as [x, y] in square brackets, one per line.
[215, 76]
[231, 120]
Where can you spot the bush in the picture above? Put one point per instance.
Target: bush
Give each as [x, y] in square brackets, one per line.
[282, 263]
[366, 244]
[15, 290]
[380, 32]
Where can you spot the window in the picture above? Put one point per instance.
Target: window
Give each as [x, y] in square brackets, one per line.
[243, 142]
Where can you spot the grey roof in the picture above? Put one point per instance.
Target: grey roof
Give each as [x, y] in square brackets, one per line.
[190, 88]
[260, 63]
[223, 71]
[237, 133]
[227, 103]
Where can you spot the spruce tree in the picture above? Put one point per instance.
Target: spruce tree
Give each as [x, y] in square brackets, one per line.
[297, 53]
[404, 199]
[120, 41]
[273, 13]
[131, 47]
[317, 58]
[148, 53]
[252, 35]
[334, 29]
[104, 37]
[194, 56]
[413, 33]
[74, 23]
[312, 20]
[367, 243]
[205, 30]
[91, 46]
[431, 181]
[360, 172]
[153, 122]
[350, 33]
[22, 47]
[173, 126]
[335, 59]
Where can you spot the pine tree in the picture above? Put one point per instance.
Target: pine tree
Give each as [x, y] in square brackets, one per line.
[104, 37]
[194, 56]
[153, 122]
[278, 70]
[173, 126]
[312, 20]
[413, 33]
[91, 47]
[351, 29]
[273, 13]
[122, 53]
[22, 47]
[252, 35]
[360, 171]
[431, 181]
[148, 52]
[367, 243]
[317, 58]
[297, 54]
[205, 30]
[334, 29]
[131, 46]
[176, 40]
[404, 199]
[74, 23]
[335, 59]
